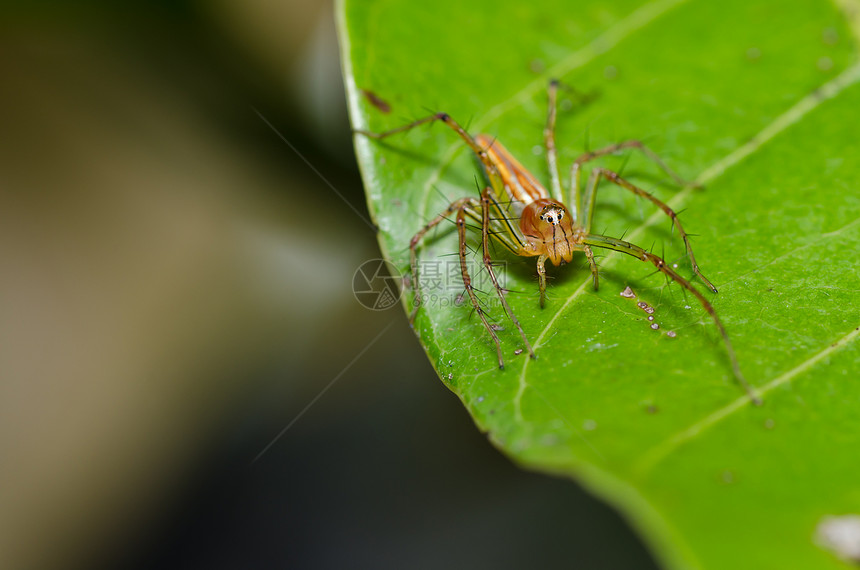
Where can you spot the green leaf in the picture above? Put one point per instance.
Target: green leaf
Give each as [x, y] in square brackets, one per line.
[758, 100]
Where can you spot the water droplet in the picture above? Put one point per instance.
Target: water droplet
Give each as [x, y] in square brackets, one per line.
[628, 293]
[830, 36]
[655, 326]
[451, 376]
[671, 334]
[549, 440]
[675, 265]
[641, 304]
[650, 310]
[650, 317]
[688, 307]
[536, 66]
[841, 535]
[518, 351]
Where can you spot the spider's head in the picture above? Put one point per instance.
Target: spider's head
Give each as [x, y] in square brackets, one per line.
[547, 224]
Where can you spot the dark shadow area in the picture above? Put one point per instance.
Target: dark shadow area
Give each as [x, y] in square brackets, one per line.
[402, 481]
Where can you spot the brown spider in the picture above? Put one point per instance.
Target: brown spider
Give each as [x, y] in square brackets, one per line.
[519, 213]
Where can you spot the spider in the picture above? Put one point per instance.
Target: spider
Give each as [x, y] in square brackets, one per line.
[516, 211]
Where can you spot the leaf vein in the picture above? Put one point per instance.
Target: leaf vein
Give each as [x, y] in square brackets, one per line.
[659, 452]
[815, 243]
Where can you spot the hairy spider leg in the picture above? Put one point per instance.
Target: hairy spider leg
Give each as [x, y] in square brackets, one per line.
[489, 201]
[468, 207]
[549, 140]
[636, 251]
[504, 232]
[467, 282]
[588, 211]
[479, 150]
[636, 145]
[549, 143]
[557, 191]
[469, 204]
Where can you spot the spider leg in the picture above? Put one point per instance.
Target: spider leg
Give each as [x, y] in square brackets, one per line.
[541, 269]
[575, 200]
[488, 201]
[477, 148]
[588, 211]
[549, 142]
[658, 262]
[637, 145]
[455, 206]
[467, 282]
[463, 207]
[592, 264]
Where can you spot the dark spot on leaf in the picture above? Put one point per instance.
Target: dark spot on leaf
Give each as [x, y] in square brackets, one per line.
[376, 100]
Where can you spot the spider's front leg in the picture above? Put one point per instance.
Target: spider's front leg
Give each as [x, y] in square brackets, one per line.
[592, 265]
[463, 207]
[467, 282]
[541, 270]
[490, 203]
[588, 211]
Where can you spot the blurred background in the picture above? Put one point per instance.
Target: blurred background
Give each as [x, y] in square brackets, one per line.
[176, 291]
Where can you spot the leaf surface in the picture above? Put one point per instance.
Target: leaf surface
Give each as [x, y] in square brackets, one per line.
[758, 101]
